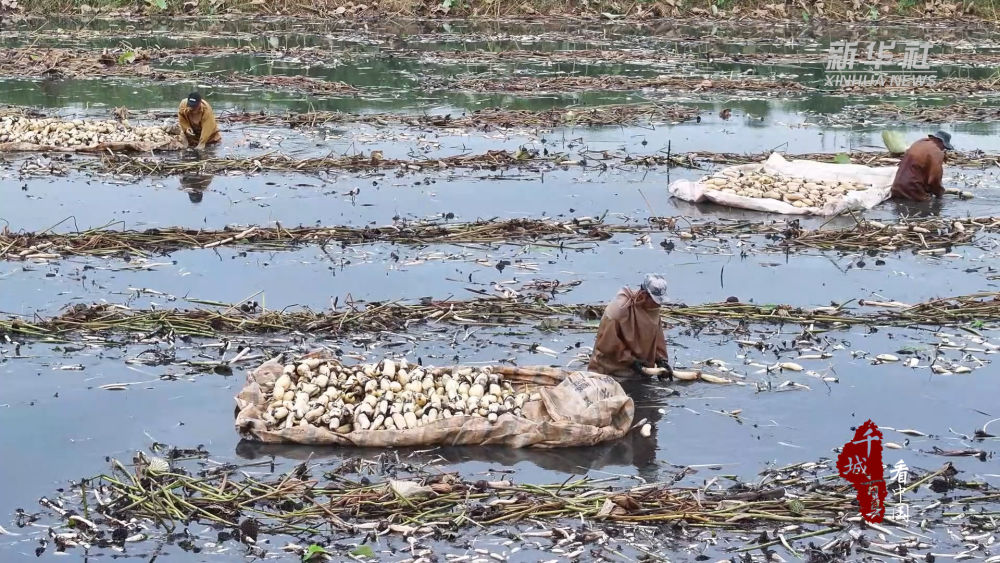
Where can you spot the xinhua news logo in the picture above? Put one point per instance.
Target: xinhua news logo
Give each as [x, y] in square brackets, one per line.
[890, 63]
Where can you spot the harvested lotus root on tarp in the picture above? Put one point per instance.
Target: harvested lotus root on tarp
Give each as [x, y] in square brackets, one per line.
[791, 187]
[22, 133]
[317, 400]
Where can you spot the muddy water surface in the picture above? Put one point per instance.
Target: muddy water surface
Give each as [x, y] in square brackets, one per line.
[70, 425]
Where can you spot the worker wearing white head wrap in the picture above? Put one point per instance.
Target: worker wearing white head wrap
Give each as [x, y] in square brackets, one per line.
[630, 337]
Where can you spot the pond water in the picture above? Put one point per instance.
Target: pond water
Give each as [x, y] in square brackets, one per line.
[61, 426]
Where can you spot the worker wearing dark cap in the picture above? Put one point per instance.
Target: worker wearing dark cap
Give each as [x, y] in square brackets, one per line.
[197, 122]
[919, 174]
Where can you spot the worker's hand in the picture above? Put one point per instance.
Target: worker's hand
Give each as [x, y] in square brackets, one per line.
[637, 367]
[669, 372]
[190, 131]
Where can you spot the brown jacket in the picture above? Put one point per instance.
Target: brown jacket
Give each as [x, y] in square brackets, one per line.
[198, 124]
[630, 330]
[920, 171]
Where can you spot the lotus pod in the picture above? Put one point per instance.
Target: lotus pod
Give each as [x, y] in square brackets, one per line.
[280, 413]
[432, 415]
[345, 429]
[476, 390]
[377, 422]
[495, 389]
[322, 381]
[388, 368]
[463, 389]
[333, 423]
[492, 417]
[395, 386]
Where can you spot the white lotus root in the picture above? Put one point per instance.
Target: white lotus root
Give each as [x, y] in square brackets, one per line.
[795, 191]
[77, 132]
[385, 396]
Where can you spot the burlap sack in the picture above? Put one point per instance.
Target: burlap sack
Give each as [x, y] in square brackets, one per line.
[576, 409]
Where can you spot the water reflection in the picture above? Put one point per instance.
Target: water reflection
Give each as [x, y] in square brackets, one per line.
[633, 450]
[929, 208]
[195, 185]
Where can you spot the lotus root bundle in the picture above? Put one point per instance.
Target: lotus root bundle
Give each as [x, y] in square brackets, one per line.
[76, 132]
[795, 191]
[384, 396]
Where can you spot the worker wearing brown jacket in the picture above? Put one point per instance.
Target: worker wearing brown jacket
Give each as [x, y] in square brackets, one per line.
[629, 337]
[197, 122]
[919, 174]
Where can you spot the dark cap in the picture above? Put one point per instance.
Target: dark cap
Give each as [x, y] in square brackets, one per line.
[194, 98]
[945, 139]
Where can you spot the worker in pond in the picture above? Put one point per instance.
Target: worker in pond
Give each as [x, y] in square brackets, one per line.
[919, 174]
[197, 122]
[629, 337]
